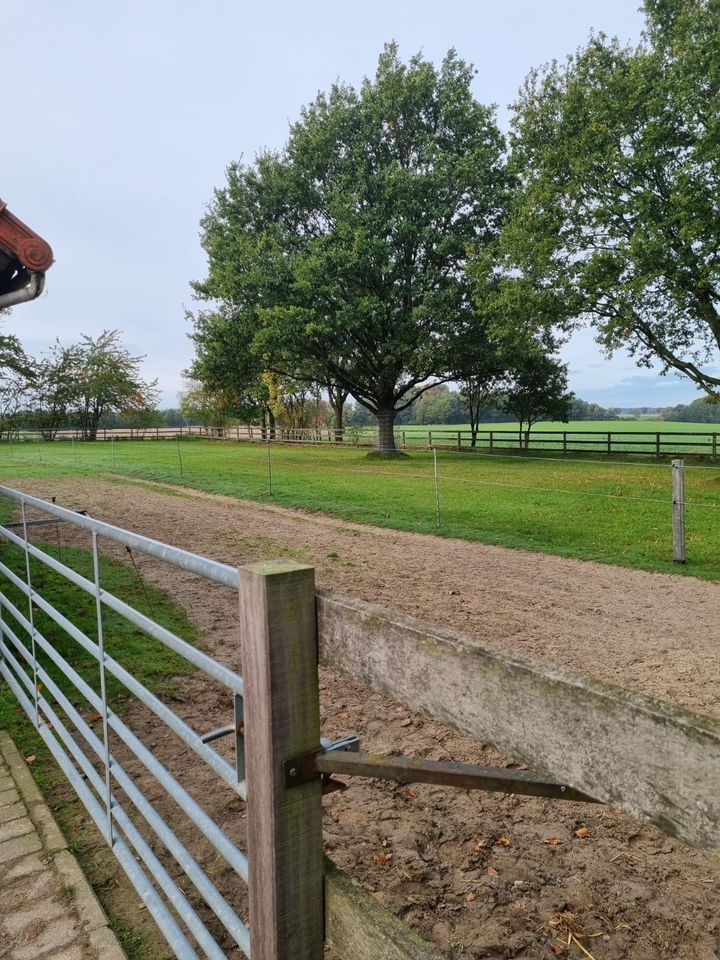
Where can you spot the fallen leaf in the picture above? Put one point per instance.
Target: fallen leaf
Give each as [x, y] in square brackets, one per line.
[491, 872]
[335, 815]
[503, 842]
[409, 793]
[384, 858]
[478, 846]
[552, 841]
[94, 717]
[469, 897]
[582, 832]
[31, 758]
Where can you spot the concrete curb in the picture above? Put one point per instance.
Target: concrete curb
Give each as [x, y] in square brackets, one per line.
[87, 906]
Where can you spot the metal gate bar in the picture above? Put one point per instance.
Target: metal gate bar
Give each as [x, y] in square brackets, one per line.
[100, 767]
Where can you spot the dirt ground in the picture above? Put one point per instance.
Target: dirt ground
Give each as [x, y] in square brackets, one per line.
[433, 855]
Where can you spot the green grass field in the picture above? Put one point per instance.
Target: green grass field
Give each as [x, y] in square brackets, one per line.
[628, 436]
[597, 509]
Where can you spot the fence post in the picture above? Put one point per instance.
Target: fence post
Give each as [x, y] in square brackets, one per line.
[714, 446]
[678, 510]
[282, 720]
[458, 439]
[609, 443]
[657, 444]
[430, 438]
[437, 489]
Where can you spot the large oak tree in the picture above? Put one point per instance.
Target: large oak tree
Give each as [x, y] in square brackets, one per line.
[347, 249]
[618, 217]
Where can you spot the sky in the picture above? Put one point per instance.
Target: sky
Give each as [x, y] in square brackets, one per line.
[119, 120]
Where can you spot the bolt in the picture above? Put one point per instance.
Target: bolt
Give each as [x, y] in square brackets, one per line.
[293, 772]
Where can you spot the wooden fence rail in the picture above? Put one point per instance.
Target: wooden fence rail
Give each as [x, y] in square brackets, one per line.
[654, 443]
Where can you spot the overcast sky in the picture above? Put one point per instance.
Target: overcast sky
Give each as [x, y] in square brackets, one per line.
[120, 118]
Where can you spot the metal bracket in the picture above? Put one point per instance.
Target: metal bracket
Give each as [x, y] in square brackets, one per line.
[409, 770]
[301, 769]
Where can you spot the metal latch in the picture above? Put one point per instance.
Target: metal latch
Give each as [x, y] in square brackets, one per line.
[342, 757]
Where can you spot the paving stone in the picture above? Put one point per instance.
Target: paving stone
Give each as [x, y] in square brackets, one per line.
[19, 847]
[35, 915]
[12, 811]
[33, 863]
[60, 932]
[9, 796]
[70, 953]
[37, 921]
[15, 828]
[19, 893]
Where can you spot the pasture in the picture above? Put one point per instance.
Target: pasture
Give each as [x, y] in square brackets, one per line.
[610, 511]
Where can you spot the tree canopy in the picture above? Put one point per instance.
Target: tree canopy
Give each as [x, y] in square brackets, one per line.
[617, 219]
[346, 251]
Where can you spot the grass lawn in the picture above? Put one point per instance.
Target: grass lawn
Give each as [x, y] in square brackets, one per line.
[602, 510]
[628, 436]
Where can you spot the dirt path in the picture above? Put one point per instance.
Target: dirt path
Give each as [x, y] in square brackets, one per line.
[431, 854]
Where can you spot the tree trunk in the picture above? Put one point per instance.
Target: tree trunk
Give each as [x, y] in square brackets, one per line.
[337, 396]
[338, 411]
[386, 430]
[271, 423]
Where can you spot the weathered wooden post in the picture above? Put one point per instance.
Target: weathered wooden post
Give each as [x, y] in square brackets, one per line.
[282, 721]
[437, 489]
[678, 510]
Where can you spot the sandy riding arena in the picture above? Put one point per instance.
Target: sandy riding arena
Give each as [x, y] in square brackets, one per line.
[478, 875]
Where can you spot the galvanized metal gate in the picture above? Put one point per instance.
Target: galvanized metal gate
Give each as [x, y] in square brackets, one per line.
[88, 759]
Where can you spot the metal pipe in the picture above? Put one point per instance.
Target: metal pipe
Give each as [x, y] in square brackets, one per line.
[184, 859]
[29, 292]
[207, 826]
[199, 659]
[210, 569]
[176, 724]
[160, 913]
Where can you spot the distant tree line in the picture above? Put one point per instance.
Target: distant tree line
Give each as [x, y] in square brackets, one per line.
[699, 411]
[78, 385]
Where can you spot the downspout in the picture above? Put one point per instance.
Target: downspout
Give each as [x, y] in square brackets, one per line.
[31, 292]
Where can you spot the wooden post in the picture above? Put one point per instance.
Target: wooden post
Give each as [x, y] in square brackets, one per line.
[714, 446]
[678, 510]
[564, 441]
[491, 441]
[282, 720]
[458, 439]
[609, 443]
[437, 489]
[430, 438]
[404, 442]
[657, 444]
